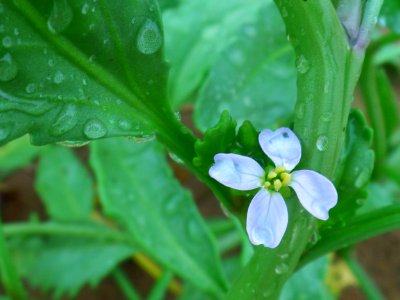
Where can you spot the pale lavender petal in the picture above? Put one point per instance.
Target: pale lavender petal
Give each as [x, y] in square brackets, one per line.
[282, 146]
[316, 193]
[267, 219]
[236, 171]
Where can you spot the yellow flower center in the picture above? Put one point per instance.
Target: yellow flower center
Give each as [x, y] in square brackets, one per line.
[276, 179]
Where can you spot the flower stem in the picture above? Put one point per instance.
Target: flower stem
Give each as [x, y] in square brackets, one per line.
[124, 284]
[324, 96]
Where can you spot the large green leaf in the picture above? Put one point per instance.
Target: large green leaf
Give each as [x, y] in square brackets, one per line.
[308, 283]
[138, 190]
[65, 263]
[16, 155]
[254, 78]
[79, 70]
[191, 28]
[64, 185]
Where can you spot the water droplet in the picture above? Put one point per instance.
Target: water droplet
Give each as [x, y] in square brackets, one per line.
[30, 88]
[58, 77]
[322, 143]
[284, 256]
[73, 144]
[144, 138]
[16, 31]
[149, 38]
[314, 238]
[8, 68]
[175, 158]
[7, 42]
[60, 16]
[84, 81]
[124, 125]
[326, 116]
[171, 207]
[94, 129]
[66, 120]
[50, 62]
[85, 9]
[281, 269]
[302, 64]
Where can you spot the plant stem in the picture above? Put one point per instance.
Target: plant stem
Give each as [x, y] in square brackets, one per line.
[160, 288]
[324, 96]
[365, 282]
[125, 285]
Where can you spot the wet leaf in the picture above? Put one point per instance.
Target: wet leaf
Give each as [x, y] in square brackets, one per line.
[137, 189]
[88, 75]
[254, 78]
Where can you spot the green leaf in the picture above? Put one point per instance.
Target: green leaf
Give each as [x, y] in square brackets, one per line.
[190, 29]
[381, 194]
[309, 282]
[390, 15]
[392, 165]
[355, 168]
[65, 264]
[80, 70]
[137, 189]
[217, 139]
[16, 155]
[64, 185]
[254, 78]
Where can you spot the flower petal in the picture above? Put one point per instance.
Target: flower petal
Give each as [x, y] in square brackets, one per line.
[282, 146]
[236, 171]
[267, 219]
[316, 193]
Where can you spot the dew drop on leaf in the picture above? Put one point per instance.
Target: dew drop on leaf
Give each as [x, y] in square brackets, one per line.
[8, 68]
[7, 42]
[58, 77]
[281, 269]
[60, 16]
[66, 120]
[149, 38]
[140, 139]
[124, 125]
[94, 129]
[326, 116]
[302, 64]
[30, 88]
[322, 143]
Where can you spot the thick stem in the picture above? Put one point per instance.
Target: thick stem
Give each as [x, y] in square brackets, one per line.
[324, 97]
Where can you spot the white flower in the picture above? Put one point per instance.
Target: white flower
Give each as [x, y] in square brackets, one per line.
[267, 216]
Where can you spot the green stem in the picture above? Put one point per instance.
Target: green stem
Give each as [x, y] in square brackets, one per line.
[160, 288]
[53, 229]
[125, 285]
[365, 282]
[324, 96]
[8, 274]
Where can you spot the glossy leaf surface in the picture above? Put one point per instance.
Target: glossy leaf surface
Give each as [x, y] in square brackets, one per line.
[137, 189]
[190, 30]
[88, 74]
[64, 185]
[254, 78]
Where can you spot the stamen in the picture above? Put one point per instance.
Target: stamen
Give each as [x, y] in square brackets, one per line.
[280, 169]
[286, 178]
[277, 184]
[271, 175]
[267, 184]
